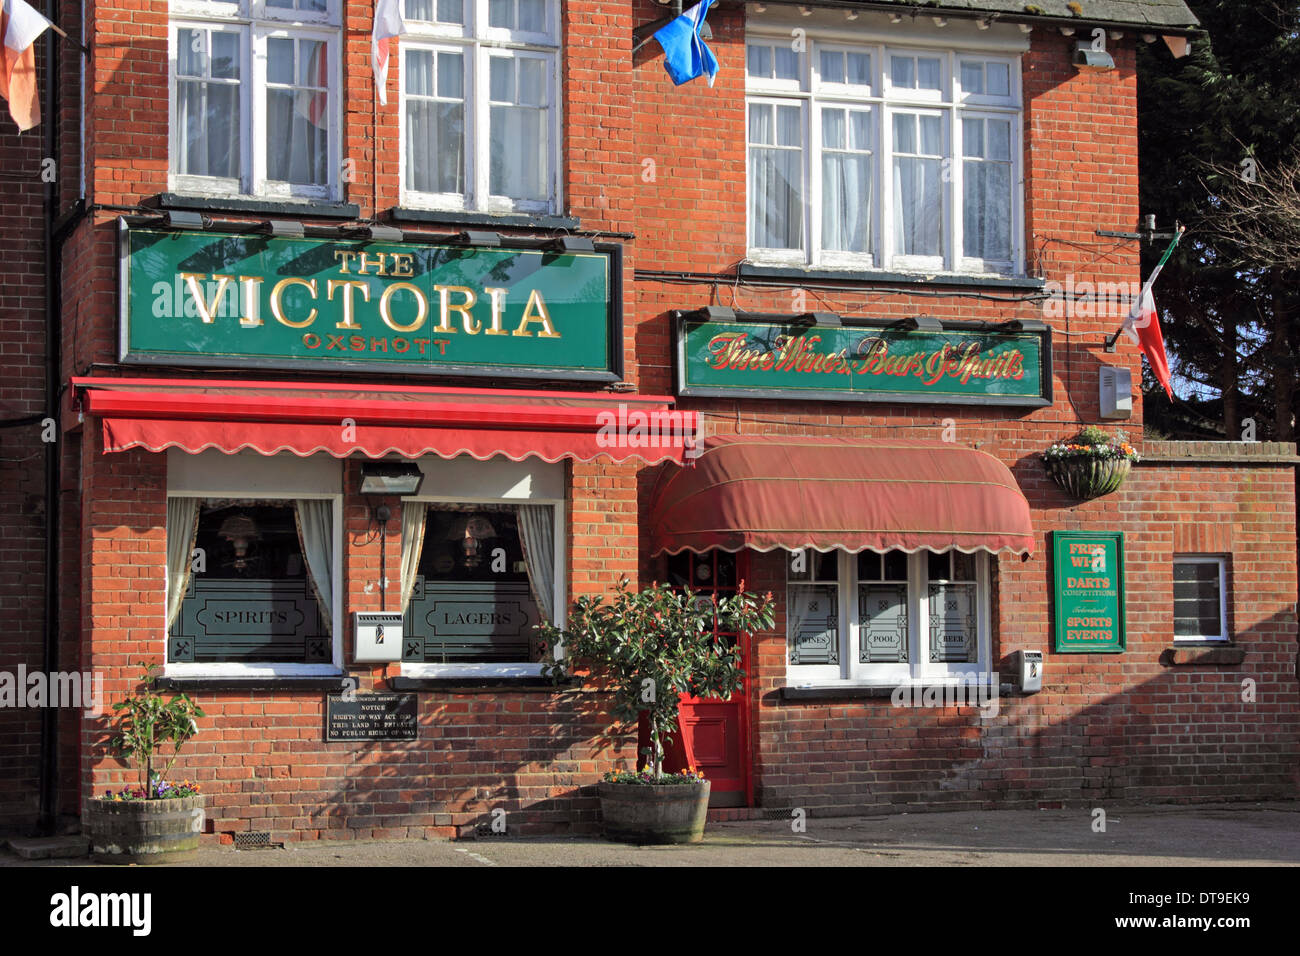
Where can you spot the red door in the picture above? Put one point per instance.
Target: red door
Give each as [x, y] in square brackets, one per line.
[714, 734]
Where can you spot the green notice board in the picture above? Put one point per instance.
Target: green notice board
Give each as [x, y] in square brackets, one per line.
[1088, 571]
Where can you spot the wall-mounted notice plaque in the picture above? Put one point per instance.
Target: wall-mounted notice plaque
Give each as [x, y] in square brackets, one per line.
[371, 717]
[1089, 592]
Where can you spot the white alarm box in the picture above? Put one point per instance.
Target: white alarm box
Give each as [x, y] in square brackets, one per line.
[1116, 392]
[1025, 668]
[378, 636]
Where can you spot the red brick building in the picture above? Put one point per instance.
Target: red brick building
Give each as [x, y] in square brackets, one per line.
[273, 282]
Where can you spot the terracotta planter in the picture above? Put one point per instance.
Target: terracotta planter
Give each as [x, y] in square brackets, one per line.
[635, 813]
[144, 831]
[1089, 477]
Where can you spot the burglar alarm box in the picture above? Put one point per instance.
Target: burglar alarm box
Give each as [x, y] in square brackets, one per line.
[378, 637]
[1025, 669]
[1116, 392]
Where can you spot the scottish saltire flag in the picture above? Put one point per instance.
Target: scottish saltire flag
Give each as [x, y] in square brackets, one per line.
[685, 55]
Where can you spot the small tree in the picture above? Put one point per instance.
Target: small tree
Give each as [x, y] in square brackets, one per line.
[654, 645]
[145, 722]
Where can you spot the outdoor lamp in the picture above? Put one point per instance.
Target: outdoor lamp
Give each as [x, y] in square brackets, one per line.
[390, 478]
[921, 323]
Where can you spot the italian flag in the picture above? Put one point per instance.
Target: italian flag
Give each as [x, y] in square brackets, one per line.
[20, 25]
[1143, 324]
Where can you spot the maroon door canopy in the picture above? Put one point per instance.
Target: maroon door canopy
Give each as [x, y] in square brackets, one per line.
[775, 492]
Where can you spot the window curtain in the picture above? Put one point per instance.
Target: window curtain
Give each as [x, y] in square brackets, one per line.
[537, 535]
[776, 177]
[846, 202]
[182, 531]
[435, 129]
[315, 536]
[413, 520]
[917, 191]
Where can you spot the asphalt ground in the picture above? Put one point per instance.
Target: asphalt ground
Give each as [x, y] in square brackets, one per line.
[1251, 835]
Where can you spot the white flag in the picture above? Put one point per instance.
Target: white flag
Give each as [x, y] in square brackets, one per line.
[388, 24]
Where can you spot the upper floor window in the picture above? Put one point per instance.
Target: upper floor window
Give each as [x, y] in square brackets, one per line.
[255, 97]
[882, 157]
[479, 93]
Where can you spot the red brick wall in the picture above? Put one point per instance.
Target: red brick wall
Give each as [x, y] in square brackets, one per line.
[1105, 727]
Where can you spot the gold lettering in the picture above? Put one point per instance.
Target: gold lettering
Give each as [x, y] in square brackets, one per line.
[277, 309]
[535, 302]
[498, 299]
[445, 308]
[252, 316]
[403, 264]
[347, 285]
[345, 256]
[207, 310]
[365, 263]
[386, 309]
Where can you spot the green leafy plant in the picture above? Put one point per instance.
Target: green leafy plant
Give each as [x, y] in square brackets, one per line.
[652, 646]
[145, 722]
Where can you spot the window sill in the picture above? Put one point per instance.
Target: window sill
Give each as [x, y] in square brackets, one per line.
[250, 683]
[757, 270]
[453, 217]
[308, 209]
[483, 685]
[1203, 653]
[863, 691]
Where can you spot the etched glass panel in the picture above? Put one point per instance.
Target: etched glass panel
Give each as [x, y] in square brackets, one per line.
[952, 622]
[813, 624]
[882, 621]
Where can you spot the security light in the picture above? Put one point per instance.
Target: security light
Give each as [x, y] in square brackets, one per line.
[383, 233]
[475, 237]
[390, 478]
[1086, 56]
[1025, 325]
[179, 219]
[711, 313]
[921, 323]
[570, 244]
[282, 228]
[825, 319]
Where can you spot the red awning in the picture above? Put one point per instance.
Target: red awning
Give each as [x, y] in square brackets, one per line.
[767, 493]
[342, 420]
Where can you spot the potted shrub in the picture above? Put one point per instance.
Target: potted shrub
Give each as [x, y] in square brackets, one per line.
[650, 647]
[158, 821]
[1092, 463]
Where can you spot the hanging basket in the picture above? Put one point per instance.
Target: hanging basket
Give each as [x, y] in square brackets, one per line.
[1086, 477]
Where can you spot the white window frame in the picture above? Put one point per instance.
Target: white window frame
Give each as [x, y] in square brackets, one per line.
[255, 23]
[1221, 561]
[528, 482]
[918, 669]
[477, 42]
[951, 102]
[283, 473]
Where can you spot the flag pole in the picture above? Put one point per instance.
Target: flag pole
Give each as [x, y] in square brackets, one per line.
[1178, 235]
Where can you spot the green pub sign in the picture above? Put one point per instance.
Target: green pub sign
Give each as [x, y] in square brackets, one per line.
[965, 363]
[232, 300]
[1088, 568]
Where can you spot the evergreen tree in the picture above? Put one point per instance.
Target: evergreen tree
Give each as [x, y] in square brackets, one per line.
[1218, 130]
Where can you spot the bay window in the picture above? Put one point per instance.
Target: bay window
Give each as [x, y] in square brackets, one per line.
[871, 156]
[255, 107]
[886, 619]
[479, 93]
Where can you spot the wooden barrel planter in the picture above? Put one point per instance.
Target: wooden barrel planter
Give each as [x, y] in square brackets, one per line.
[636, 813]
[144, 831]
[1087, 478]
